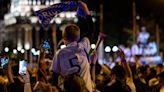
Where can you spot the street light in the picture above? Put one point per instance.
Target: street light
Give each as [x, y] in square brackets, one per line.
[58, 20]
[19, 48]
[115, 49]
[6, 49]
[107, 49]
[22, 51]
[27, 46]
[138, 17]
[14, 51]
[93, 46]
[32, 50]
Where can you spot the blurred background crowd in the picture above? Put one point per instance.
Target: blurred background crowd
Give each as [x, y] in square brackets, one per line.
[134, 26]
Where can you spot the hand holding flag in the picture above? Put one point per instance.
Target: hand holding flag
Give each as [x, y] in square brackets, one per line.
[47, 14]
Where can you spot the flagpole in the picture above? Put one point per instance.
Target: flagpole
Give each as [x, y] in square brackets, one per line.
[101, 46]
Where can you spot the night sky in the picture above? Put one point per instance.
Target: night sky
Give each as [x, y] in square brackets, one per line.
[118, 15]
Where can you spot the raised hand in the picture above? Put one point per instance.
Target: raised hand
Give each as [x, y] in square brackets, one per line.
[84, 7]
[102, 36]
[26, 77]
[121, 54]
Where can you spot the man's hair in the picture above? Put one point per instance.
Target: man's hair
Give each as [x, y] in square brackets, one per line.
[160, 65]
[74, 83]
[71, 32]
[119, 71]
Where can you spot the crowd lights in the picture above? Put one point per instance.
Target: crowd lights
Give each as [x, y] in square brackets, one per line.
[32, 50]
[68, 15]
[58, 20]
[35, 52]
[75, 20]
[22, 51]
[138, 17]
[6, 49]
[14, 51]
[115, 49]
[27, 46]
[62, 15]
[19, 48]
[93, 46]
[107, 49]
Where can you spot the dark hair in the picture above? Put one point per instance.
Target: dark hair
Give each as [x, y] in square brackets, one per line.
[15, 69]
[119, 71]
[71, 32]
[2, 72]
[143, 69]
[74, 83]
[160, 65]
[161, 75]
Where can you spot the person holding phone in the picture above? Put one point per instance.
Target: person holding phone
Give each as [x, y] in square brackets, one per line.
[46, 46]
[4, 61]
[16, 82]
[22, 67]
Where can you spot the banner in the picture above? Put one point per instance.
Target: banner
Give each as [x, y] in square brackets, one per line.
[47, 14]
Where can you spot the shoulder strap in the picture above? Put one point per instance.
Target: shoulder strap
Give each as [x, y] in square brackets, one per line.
[87, 55]
[84, 51]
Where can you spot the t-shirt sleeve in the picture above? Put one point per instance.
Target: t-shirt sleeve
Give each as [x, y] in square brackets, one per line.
[85, 43]
[86, 26]
[56, 64]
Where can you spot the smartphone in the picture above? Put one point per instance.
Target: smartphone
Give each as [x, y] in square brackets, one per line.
[4, 62]
[22, 66]
[46, 45]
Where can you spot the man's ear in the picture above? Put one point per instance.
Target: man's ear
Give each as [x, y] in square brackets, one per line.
[65, 41]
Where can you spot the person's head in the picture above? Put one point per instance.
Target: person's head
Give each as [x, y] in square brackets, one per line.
[145, 70]
[74, 83]
[159, 68]
[119, 72]
[161, 77]
[71, 33]
[137, 57]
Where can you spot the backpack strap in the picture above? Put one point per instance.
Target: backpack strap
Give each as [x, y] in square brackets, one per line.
[87, 55]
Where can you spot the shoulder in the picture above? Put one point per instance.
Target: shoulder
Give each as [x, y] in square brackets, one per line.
[84, 43]
[60, 52]
[64, 51]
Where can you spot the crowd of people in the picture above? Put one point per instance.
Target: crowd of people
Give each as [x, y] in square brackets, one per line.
[76, 69]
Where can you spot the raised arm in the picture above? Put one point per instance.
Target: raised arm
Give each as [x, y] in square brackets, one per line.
[9, 72]
[27, 84]
[42, 55]
[125, 64]
[85, 23]
[94, 57]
